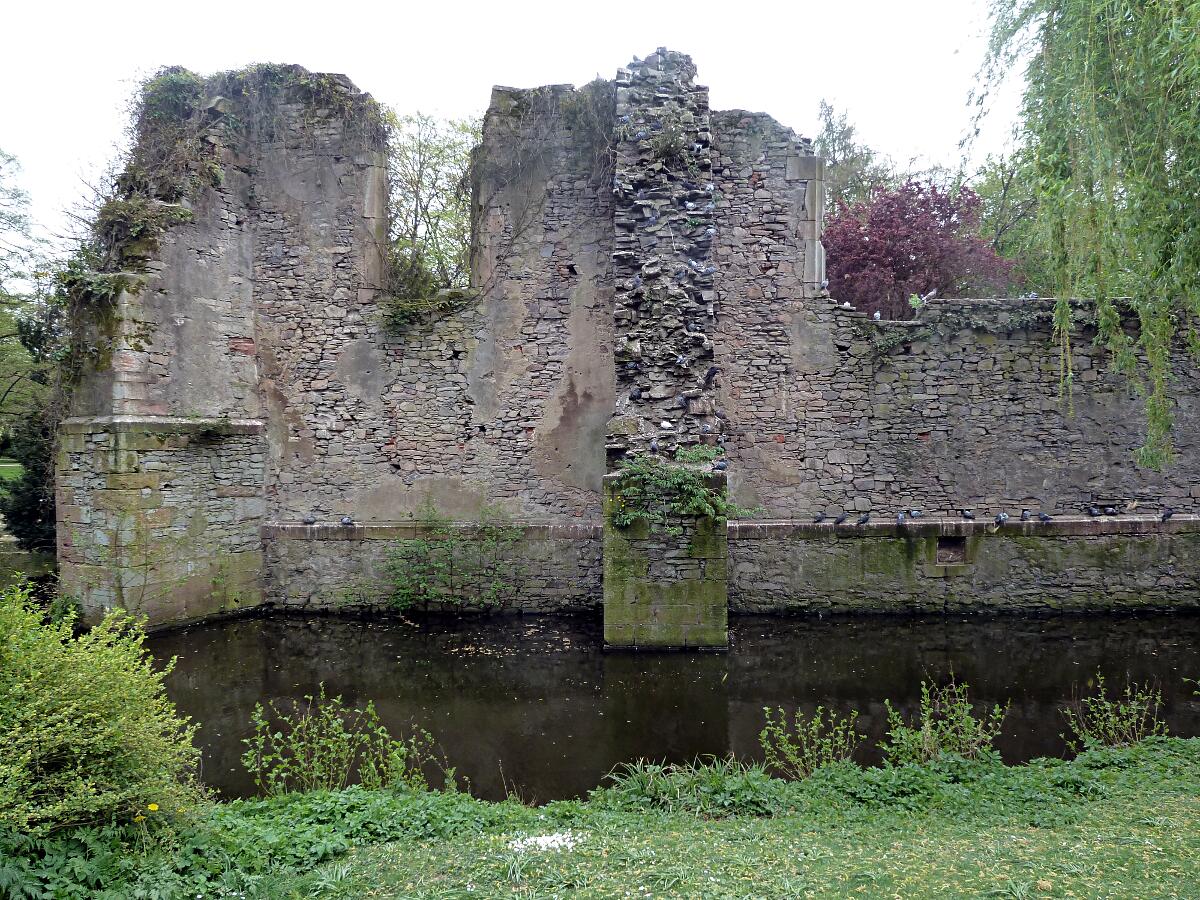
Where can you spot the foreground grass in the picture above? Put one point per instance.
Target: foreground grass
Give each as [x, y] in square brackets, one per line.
[1111, 823]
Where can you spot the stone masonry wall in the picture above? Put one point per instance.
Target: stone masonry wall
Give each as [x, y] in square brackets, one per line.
[663, 267]
[958, 408]
[1071, 564]
[161, 516]
[549, 568]
[638, 260]
[665, 587]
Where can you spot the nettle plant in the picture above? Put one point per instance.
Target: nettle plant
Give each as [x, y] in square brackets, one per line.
[660, 492]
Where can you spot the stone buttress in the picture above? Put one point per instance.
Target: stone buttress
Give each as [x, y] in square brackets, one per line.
[663, 587]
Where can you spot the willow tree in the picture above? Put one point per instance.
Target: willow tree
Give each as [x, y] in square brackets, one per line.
[1111, 114]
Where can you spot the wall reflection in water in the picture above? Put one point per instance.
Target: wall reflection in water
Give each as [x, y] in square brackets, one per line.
[535, 705]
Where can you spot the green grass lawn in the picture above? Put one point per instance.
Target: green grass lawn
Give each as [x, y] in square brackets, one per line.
[10, 469]
[1130, 829]
[1110, 823]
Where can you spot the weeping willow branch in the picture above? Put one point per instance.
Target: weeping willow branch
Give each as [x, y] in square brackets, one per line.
[1111, 114]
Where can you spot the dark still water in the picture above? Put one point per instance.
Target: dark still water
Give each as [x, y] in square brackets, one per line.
[537, 704]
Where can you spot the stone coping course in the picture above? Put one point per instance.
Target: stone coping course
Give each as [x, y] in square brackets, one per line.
[170, 424]
[1062, 526]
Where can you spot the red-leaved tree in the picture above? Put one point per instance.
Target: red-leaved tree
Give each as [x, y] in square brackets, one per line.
[908, 240]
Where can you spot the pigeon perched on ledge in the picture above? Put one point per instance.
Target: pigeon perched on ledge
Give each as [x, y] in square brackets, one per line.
[840, 519]
[1042, 517]
[1093, 510]
[1025, 515]
[863, 519]
[1000, 519]
[1167, 513]
[967, 514]
[347, 520]
[818, 518]
[310, 520]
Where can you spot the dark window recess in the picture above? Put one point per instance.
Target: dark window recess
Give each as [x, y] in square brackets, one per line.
[951, 550]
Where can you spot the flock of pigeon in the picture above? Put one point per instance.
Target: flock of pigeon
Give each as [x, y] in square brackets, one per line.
[906, 515]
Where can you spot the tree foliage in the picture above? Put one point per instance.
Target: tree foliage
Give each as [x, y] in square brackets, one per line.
[852, 169]
[428, 164]
[1008, 220]
[913, 239]
[1111, 114]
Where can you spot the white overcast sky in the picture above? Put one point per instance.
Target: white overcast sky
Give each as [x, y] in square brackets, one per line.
[903, 70]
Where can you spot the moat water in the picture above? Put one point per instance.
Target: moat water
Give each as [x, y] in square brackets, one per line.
[536, 706]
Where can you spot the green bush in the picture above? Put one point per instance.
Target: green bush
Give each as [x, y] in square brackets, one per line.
[88, 734]
[797, 748]
[321, 744]
[27, 501]
[1104, 721]
[946, 724]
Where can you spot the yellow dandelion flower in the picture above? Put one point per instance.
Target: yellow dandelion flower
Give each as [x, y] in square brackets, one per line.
[153, 807]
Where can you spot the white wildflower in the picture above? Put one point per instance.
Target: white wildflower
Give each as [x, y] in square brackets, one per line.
[564, 840]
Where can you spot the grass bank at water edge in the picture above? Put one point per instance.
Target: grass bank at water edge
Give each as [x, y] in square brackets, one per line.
[1110, 823]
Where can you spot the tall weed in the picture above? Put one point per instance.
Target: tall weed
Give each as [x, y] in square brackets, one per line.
[946, 724]
[321, 744]
[1118, 721]
[797, 747]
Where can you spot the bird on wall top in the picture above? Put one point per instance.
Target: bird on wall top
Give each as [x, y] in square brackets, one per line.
[1043, 517]
[818, 518]
[1167, 513]
[842, 518]
[1093, 510]
[1001, 518]
[863, 519]
[347, 520]
[967, 514]
[1025, 515]
[310, 519]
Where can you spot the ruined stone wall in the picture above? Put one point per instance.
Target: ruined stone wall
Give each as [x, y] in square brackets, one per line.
[547, 568]
[1076, 564]
[504, 402]
[161, 515]
[768, 228]
[958, 408]
[646, 273]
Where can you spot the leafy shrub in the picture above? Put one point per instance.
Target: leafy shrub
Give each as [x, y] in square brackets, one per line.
[799, 747]
[659, 492]
[706, 787]
[88, 733]
[1104, 721]
[946, 724]
[455, 566]
[321, 744]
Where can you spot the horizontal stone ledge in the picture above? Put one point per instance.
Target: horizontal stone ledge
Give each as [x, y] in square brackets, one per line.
[1066, 526]
[396, 531]
[161, 424]
[1062, 526]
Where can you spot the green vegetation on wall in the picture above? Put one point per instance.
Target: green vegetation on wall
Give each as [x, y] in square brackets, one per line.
[452, 567]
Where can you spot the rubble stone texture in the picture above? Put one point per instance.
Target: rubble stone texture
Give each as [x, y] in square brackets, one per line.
[638, 260]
